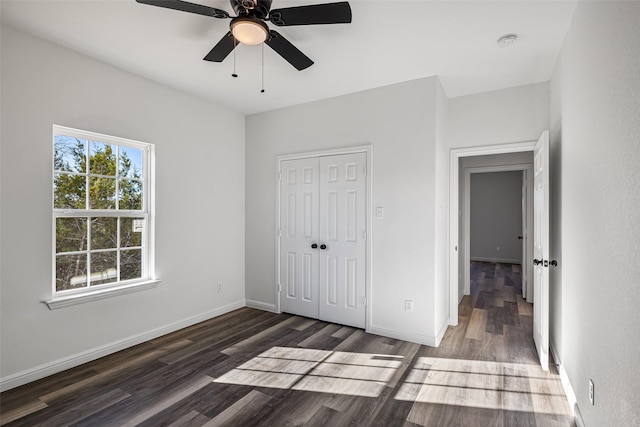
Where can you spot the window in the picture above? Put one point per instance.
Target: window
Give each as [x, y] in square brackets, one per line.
[101, 212]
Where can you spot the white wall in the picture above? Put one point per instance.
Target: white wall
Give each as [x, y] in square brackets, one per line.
[496, 216]
[499, 117]
[401, 123]
[199, 202]
[596, 136]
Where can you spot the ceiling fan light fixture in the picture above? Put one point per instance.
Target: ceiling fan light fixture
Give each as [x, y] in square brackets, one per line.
[249, 31]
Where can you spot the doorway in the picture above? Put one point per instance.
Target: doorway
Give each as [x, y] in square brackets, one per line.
[519, 242]
[540, 148]
[322, 236]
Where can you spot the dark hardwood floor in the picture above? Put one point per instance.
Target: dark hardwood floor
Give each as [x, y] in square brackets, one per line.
[253, 368]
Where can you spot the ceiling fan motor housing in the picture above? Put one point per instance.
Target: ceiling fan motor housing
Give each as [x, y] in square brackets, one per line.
[255, 8]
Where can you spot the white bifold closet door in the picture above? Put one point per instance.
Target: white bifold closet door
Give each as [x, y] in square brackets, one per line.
[322, 238]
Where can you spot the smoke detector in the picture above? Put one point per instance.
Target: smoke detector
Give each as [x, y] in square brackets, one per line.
[507, 40]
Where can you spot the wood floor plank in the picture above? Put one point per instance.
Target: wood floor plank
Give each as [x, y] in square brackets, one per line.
[178, 395]
[259, 336]
[21, 411]
[253, 399]
[343, 332]
[477, 324]
[524, 308]
[193, 418]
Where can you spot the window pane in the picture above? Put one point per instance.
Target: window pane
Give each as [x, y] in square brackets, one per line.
[103, 268]
[130, 163]
[130, 196]
[103, 158]
[131, 264]
[131, 232]
[70, 154]
[71, 234]
[69, 191]
[71, 271]
[102, 193]
[104, 233]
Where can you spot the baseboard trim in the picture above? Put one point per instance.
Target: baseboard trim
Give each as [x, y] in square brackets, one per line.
[258, 305]
[566, 384]
[443, 330]
[577, 416]
[500, 260]
[405, 336]
[78, 359]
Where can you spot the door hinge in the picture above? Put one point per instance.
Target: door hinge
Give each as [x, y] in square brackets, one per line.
[364, 236]
[365, 171]
[279, 232]
[279, 176]
[364, 301]
[279, 288]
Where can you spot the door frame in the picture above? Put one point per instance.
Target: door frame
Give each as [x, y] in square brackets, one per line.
[455, 154]
[527, 211]
[368, 150]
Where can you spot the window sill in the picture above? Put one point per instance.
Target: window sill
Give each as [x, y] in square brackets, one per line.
[66, 301]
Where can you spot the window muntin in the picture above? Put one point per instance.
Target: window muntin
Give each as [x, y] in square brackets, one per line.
[100, 211]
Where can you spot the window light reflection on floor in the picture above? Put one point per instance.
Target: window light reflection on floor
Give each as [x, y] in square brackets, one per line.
[484, 384]
[357, 374]
[457, 382]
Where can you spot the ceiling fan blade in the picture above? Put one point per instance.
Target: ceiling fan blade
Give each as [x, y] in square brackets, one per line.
[224, 47]
[330, 13]
[288, 51]
[187, 7]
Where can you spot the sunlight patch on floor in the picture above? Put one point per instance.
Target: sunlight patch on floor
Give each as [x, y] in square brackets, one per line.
[484, 384]
[357, 374]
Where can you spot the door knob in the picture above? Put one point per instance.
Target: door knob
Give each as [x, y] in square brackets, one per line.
[519, 237]
[323, 246]
[314, 246]
[554, 263]
[537, 261]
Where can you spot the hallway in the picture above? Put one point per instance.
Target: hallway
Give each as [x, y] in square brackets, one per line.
[491, 361]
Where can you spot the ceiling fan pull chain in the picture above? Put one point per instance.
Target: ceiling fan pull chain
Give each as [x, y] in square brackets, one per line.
[235, 44]
[262, 90]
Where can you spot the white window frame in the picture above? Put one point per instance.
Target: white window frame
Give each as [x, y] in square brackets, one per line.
[147, 280]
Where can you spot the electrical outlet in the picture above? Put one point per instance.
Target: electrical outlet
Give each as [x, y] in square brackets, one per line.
[219, 286]
[408, 305]
[591, 392]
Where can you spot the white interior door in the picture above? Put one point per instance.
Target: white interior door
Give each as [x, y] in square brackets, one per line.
[322, 238]
[524, 270]
[541, 249]
[342, 239]
[299, 229]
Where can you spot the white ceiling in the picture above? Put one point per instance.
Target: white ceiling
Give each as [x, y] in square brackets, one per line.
[389, 41]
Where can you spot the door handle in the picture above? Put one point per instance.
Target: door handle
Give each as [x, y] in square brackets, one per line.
[519, 237]
[323, 246]
[314, 246]
[546, 263]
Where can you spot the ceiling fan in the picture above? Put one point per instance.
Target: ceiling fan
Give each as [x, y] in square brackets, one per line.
[250, 25]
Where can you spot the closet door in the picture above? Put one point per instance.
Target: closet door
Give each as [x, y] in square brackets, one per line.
[322, 238]
[299, 229]
[342, 239]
